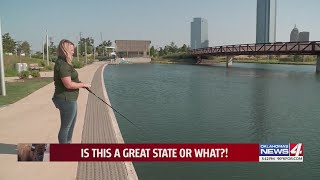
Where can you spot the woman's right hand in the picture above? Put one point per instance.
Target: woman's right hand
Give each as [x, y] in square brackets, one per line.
[84, 85]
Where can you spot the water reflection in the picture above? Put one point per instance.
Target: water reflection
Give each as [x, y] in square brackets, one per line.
[317, 77]
[259, 106]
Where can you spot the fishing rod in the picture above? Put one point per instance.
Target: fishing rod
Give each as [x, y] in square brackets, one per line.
[112, 107]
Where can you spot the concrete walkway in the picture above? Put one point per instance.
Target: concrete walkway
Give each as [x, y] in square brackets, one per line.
[101, 127]
[34, 119]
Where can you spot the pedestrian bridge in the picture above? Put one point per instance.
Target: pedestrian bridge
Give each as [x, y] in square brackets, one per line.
[277, 48]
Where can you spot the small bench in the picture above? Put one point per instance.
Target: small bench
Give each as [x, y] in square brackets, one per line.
[34, 67]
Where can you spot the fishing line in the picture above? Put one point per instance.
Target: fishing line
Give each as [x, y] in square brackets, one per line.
[112, 108]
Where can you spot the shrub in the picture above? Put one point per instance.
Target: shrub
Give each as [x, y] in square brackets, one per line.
[42, 63]
[286, 58]
[49, 67]
[37, 56]
[102, 58]
[35, 74]
[53, 58]
[297, 58]
[10, 72]
[24, 74]
[309, 58]
[90, 61]
[77, 64]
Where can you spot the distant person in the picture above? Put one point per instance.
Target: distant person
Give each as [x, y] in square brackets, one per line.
[66, 92]
[122, 59]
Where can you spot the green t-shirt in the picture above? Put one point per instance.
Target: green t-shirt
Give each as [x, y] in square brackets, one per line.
[63, 69]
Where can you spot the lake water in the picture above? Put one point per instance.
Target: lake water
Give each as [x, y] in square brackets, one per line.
[248, 103]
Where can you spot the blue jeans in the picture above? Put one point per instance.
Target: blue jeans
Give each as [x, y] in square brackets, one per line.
[68, 116]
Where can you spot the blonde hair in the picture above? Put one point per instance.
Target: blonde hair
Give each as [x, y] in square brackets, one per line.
[64, 50]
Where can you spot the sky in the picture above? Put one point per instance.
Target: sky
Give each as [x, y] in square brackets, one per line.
[162, 22]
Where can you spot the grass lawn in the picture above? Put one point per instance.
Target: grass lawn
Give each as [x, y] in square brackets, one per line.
[11, 61]
[18, 90]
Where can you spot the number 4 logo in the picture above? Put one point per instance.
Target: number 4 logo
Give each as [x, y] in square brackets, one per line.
[296, 149]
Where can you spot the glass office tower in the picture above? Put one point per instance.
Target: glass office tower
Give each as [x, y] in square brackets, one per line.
[199, 33]
[266, 21]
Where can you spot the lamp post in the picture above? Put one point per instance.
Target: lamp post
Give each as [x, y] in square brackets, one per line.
[85, 49]
[3, 85]
[47, 47]
[42, 50]
[94, 53]
[78, 50]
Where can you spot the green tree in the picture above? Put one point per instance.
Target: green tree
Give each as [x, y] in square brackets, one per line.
[53, 49]
[166, 50]
[172, 48]
[18, 48]
[184, 48]
[101, 49]
[25, 47]
[152, 51]
[109, 43]
[9, 45]
[161, 52]
[37, 55]
[81, 45]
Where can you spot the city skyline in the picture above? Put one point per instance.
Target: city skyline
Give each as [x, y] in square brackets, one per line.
[296, 36]
[161, 22]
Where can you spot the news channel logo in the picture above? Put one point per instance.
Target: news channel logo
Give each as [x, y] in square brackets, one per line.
[281, 152]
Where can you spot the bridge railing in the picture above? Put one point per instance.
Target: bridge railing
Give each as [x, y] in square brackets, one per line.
[278, 48]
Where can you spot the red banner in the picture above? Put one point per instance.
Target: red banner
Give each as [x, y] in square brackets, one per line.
[155, 152]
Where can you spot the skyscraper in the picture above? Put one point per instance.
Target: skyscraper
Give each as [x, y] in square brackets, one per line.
[199, 33]
[294, 35]
[304, 36]
[266, 21]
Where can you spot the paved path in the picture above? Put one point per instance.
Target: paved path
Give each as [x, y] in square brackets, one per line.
[34, 119]
[101, 127]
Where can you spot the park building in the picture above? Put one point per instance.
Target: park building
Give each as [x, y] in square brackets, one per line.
[132, 48]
